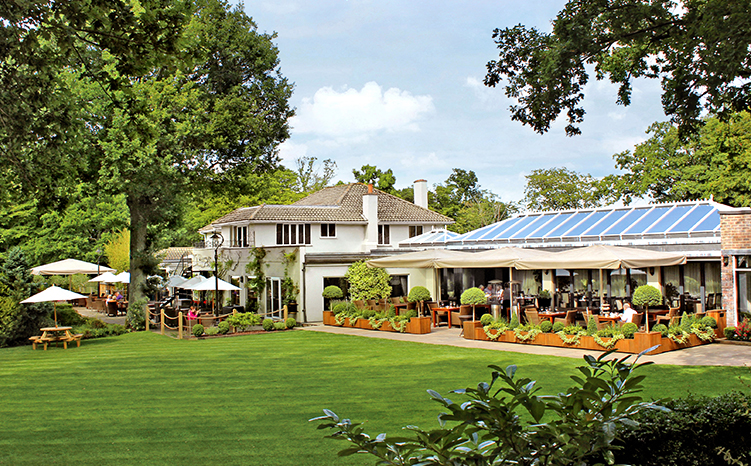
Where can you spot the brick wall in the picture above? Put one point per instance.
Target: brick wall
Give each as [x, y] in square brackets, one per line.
[735, 227]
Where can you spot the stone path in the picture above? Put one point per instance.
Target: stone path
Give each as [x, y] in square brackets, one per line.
[716, 354]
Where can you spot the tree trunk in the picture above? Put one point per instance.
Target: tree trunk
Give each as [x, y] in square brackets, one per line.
[138, 250]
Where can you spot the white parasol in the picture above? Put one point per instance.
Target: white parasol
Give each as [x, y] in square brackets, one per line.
[53, 293]
[212, 284]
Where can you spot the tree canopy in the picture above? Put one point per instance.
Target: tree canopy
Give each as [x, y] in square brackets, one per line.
[561, 189]
[715, 162]
[698, 49]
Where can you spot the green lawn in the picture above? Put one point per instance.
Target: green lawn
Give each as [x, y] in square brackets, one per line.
[147, 399]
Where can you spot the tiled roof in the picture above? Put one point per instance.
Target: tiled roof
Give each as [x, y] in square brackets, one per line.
[336, 204]
[173, 254]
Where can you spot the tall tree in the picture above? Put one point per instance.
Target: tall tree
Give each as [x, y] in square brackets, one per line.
[177, 127]
[715, 162]
[697, 48]
[561, 189]
[312, 176]
[383, 180]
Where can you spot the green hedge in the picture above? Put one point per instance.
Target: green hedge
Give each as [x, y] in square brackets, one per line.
[696, 431]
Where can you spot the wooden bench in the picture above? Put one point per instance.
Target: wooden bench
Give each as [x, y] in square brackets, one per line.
[77, 338]
[37, 340]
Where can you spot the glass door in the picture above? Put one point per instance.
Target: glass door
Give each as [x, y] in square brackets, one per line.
[274, 297]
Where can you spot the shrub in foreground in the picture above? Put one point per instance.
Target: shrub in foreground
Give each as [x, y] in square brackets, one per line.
[290, 322]
[197, 330]
[503, 425]
[268, 325]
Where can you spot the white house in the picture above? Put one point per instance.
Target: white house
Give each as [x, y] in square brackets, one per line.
[320, 236]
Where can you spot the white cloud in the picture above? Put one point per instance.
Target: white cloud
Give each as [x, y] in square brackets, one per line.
[353, 114]
[289, 151]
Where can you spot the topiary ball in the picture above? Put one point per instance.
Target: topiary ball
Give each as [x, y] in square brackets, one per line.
[662, 328]
[558, 327]
[332, 292]
[197, 330]
[418, 293]
[268, 325]
[486, 319]
[647, 295]
[290, 322]
[280, 325]
[339, 308]
[473, 296]
[729, 333]
[629, 329]
[709, 321]
[223, 327]
[546, 326]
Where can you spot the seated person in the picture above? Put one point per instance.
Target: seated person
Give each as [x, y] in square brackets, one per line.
[192, 313]
[628, 313]
[118, 296]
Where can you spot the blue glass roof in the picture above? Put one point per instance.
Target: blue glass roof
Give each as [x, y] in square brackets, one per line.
[673, 220]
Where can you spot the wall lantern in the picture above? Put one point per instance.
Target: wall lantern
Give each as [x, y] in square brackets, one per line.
[725, 260]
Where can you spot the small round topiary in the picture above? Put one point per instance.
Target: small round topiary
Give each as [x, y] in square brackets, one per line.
[647, 295]
[486, 319]
[546, 326]
[418, 293]
[729, 333]
[290, 322]
[268, 325]
[629, 329]
[558, 327]
[332, 292]
[197, 330]
[709, 321]
[280, 325]
[473, 296]
[223, 327]
[339, 308]
[662, 328]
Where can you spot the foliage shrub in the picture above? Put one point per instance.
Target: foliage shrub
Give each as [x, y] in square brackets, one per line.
[418, 293]
[646, 295]
[368, 283]
[367, 313]
[544, 294]
[339, 308]
[280, 325]
[243, 321]
[268, 325]
[546, 326]
[290, 322]
[558, 327]
[662, 328]
[729, 333]
[473, 296]
[486, 319]
[197, 330]
[391, 312]
[211, 331]
[696, 431]
[135, 318]
[332, 292]
[709, 321]
[503, 425]
[68, 317]
[223, 327]
[410, 313]
[743, 330]
[95, 328]
[629, 329]
[514, 323]
[592, 326]
[686, 321]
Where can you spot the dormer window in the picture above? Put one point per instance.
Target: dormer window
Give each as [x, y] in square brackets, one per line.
[292, 234]
[328, 230]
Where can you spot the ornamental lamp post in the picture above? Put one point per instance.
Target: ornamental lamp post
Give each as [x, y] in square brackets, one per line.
[216, 240]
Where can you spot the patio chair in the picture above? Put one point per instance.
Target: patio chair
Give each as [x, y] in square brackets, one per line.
[700, 315]
[112, 309]
[438, 314]
[532, 316]
[667, 319]
[458, 317]
[360, 304]
[569, 320]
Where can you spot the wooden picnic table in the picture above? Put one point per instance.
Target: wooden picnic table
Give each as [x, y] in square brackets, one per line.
[613, 319]
[58, 333]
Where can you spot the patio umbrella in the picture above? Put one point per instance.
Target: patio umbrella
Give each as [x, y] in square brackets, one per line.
[602, 257]
[175, 281]
[70, 267]
[188, 284]
[106, 277]
[123, 277]
[210, 284]
[53, 293]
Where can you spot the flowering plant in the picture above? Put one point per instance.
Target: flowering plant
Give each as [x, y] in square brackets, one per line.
[743, 330]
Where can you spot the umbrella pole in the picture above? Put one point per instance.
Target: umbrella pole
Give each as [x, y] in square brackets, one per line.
[54, 308]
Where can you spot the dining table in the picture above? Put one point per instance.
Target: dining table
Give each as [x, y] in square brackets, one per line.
[551, 315]
[57, 333]
[609, 318]
[437, 310]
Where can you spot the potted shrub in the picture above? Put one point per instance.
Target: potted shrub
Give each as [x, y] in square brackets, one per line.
[332, 292]
[473, 297]
[647, 295]
[419, 294]
[543, 299]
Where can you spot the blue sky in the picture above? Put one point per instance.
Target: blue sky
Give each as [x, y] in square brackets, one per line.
[399, 85]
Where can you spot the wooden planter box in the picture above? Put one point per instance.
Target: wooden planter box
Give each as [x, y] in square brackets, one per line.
[416, 325]
[639, 343]
[328, 318]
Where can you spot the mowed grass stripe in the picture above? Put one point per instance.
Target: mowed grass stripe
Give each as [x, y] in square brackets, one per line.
[148, 399]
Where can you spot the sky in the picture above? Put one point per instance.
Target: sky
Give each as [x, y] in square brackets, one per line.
[398, 85]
